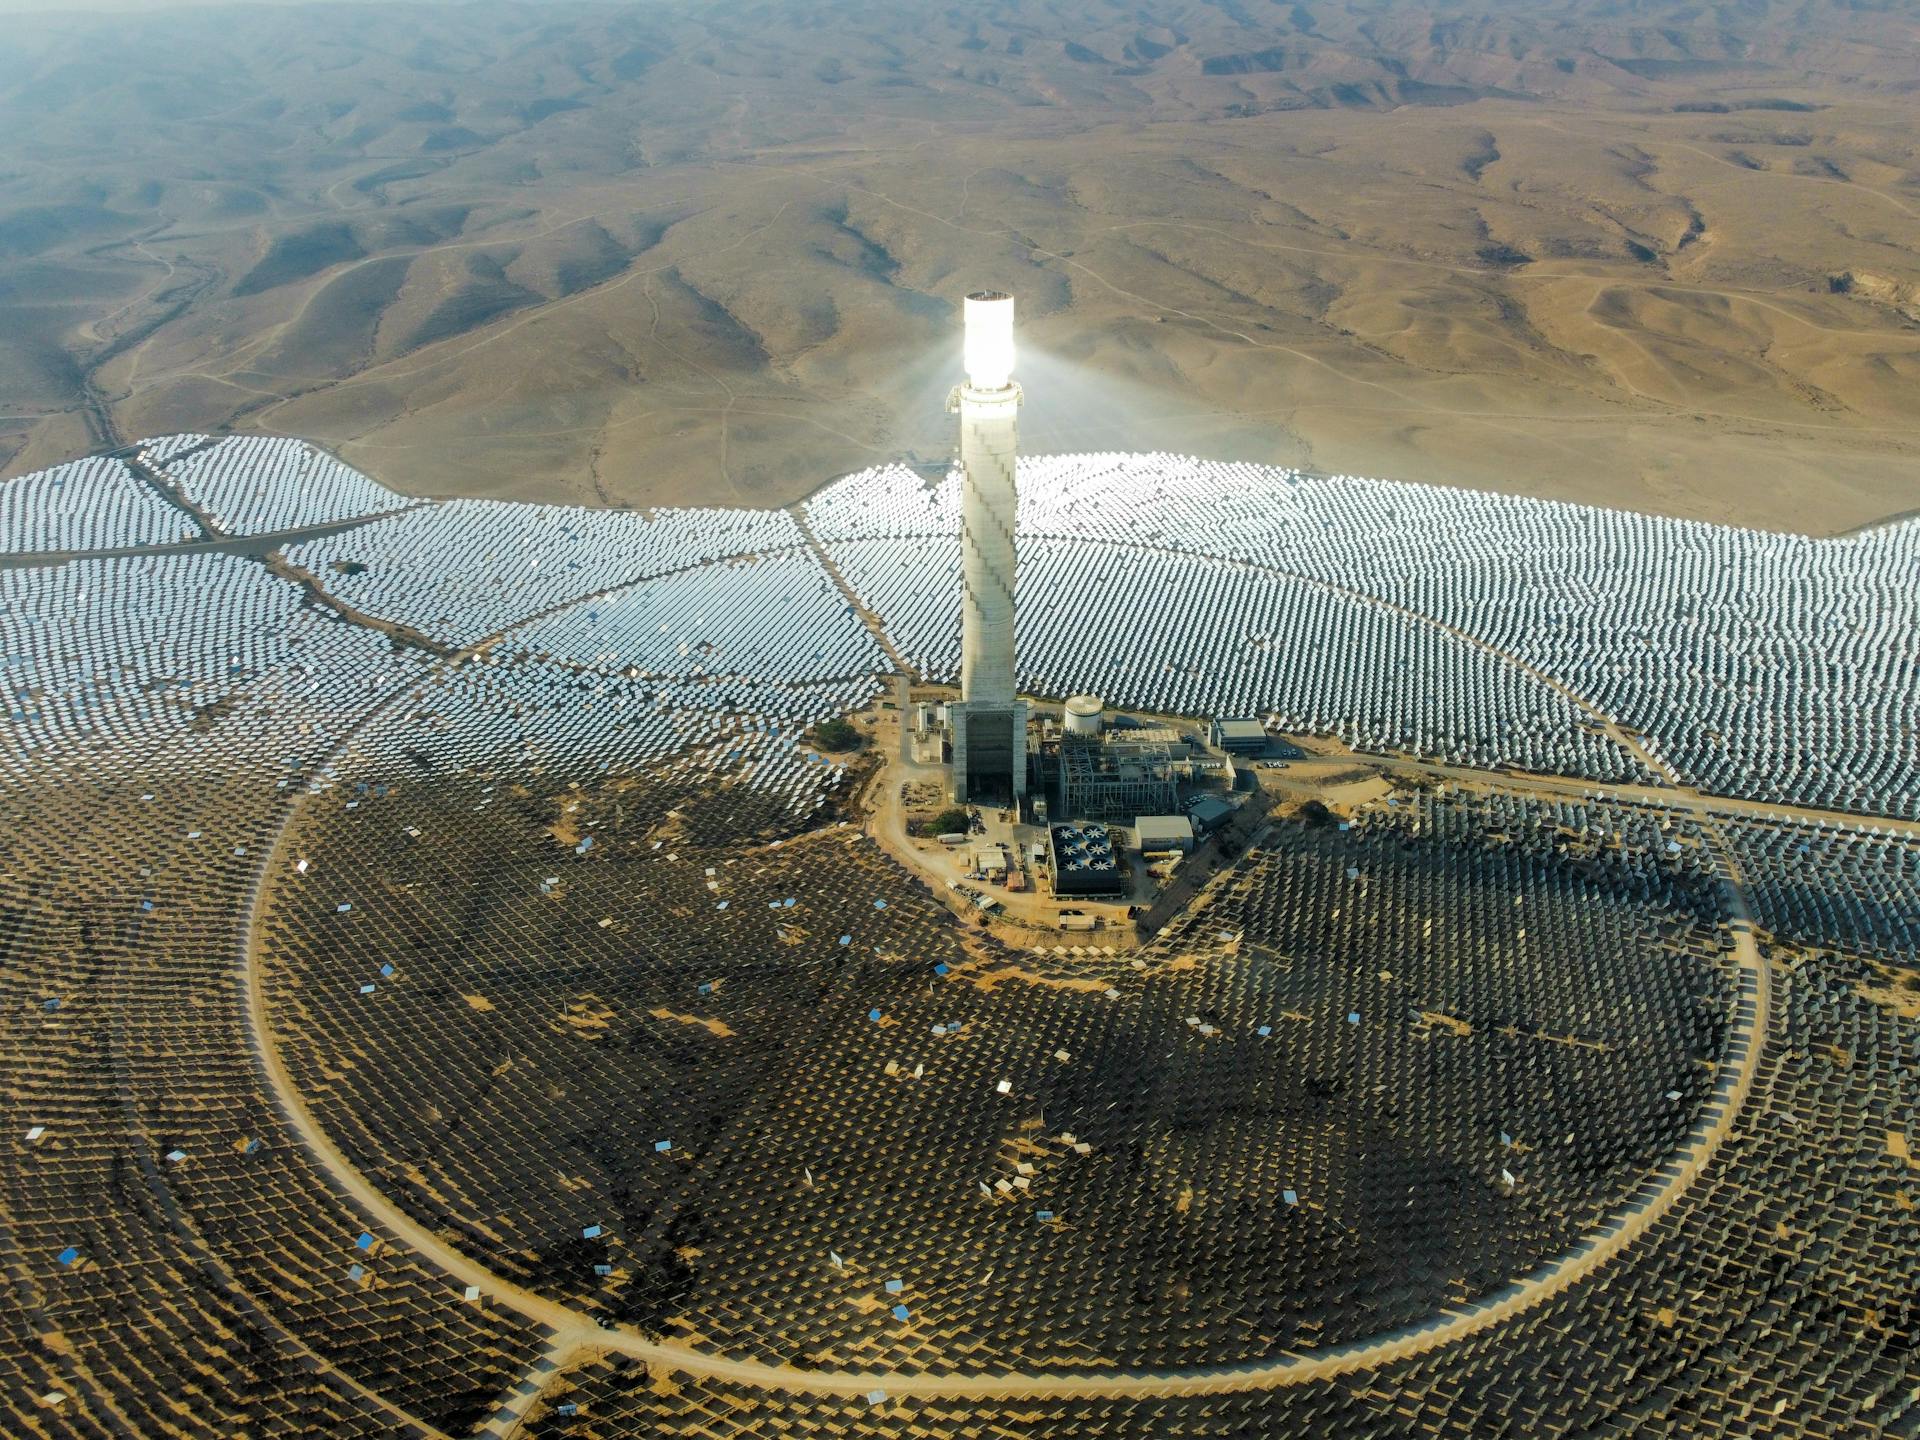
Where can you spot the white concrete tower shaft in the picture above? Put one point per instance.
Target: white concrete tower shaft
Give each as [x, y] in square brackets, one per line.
[990, 729]
[989, 440]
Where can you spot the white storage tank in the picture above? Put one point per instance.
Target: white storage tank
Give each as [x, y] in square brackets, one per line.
[1085, 714]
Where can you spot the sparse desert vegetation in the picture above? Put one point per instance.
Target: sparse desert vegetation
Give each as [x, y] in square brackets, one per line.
[834, 735]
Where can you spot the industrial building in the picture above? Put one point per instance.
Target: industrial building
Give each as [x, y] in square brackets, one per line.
[1237, 736]
[1209, 813]
[1101, 767]
[1084, 861]
[1157, 833]
[1114, 779]
[989, 721]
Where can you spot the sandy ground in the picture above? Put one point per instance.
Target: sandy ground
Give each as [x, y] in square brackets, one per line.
[1570, 262]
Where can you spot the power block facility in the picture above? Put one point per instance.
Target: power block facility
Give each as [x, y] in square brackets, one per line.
[1112, 779]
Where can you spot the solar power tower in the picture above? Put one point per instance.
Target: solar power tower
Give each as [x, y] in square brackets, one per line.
[989, 724]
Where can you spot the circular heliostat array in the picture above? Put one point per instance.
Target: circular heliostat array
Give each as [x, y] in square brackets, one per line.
[432, 937]
[635, 1041]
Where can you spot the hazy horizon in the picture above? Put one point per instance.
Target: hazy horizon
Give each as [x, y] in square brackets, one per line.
[628, 253]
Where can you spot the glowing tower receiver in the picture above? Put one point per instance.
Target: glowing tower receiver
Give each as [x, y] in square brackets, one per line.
[990, 723]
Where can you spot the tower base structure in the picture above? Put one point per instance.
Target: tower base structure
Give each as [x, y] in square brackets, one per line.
[989, 752]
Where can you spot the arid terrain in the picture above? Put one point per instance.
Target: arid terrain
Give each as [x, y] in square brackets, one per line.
[1660, 255]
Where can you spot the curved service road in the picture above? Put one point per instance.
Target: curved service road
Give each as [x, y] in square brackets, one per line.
[572, 1333]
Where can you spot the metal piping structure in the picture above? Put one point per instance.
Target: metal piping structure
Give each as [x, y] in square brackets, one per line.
[989, 722]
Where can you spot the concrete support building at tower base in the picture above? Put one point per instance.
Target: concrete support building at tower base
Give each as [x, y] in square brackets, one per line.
[989, 752]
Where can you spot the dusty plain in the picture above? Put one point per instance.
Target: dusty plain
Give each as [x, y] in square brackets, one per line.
[1664, 257]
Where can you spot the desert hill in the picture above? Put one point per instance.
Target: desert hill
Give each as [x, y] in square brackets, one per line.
[1653, 254]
